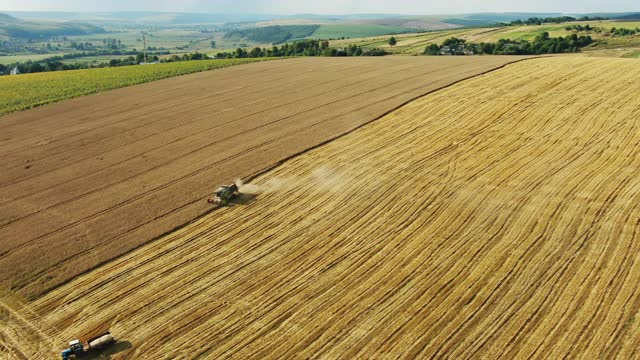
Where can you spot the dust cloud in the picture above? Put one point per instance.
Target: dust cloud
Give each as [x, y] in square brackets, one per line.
[324, 178]
[247, 188]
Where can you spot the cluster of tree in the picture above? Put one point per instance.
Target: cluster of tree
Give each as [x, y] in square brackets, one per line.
[132, 54]
[98, 53]
[131, 60]
[36, 67]
[59, 43]
[113, 44]
[186, 57]
[592, 18]
[55, 64]
[82, 45]
[301, 48]
[451, 46]
[11, 46]
[580, 28]
[554, 20]
[623, 31]
[107, 44]
[59, 38]
[542, 44]
[600, 30]
[354, 50]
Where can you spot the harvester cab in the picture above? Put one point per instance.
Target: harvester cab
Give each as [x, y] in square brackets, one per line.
[224, 194]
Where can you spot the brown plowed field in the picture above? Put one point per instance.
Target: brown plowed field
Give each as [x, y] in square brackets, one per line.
[497, 218]
[92, 178]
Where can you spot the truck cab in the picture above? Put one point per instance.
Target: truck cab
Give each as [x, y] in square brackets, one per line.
[75, 349]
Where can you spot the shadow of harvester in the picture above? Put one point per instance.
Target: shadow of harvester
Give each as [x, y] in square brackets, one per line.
[119, 350]
[243, 199]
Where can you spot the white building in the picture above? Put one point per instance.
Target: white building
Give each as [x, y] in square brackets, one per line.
[14, 71]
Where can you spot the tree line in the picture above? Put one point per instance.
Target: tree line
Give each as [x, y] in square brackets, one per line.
[553, 20]
[301, 48]
[623, 31]
[53, 64]
[542, 44]
[601, 30]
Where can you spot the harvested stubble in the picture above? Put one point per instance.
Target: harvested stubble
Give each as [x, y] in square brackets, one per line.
[23, 335]
[93, 178]
[496, 218]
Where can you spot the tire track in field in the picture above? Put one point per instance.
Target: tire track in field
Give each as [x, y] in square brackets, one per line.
[495, 218]
[198, 170]
[135, 223]
[194, 100]
[222, 124]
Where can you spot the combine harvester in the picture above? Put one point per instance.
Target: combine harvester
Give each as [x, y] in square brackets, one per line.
[77, 349]
[224, 194]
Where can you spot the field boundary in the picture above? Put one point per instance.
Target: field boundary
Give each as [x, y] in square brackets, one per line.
[275, 165]
[288, 158]
[40, 98]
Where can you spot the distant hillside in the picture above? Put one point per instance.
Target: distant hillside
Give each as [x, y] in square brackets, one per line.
[272, 34]
[336, 31]
[470, 22]
[141, 17]
[17, 28]
[492, 18]
[628, 17]
[7, 19]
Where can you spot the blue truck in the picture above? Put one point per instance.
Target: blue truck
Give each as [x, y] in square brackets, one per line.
[77, 349]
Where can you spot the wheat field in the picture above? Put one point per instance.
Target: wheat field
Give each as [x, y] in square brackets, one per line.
[496, 218]
[87, 180]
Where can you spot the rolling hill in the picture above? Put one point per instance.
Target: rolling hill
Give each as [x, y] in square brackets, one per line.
[415, 43]
[27, 29]
[272, 34]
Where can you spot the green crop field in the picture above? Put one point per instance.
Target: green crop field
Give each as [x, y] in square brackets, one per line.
[635, 54]
[415, 43]
[357, 31]
[168, 39]
[529, 32]
[10, 59]
[22, 92]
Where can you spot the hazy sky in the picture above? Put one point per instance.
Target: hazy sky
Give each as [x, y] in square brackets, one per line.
[327, 6]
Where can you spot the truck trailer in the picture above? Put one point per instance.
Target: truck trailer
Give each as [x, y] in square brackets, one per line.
[77, 349]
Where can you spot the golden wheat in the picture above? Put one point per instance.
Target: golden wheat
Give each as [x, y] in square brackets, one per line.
[495, 218]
